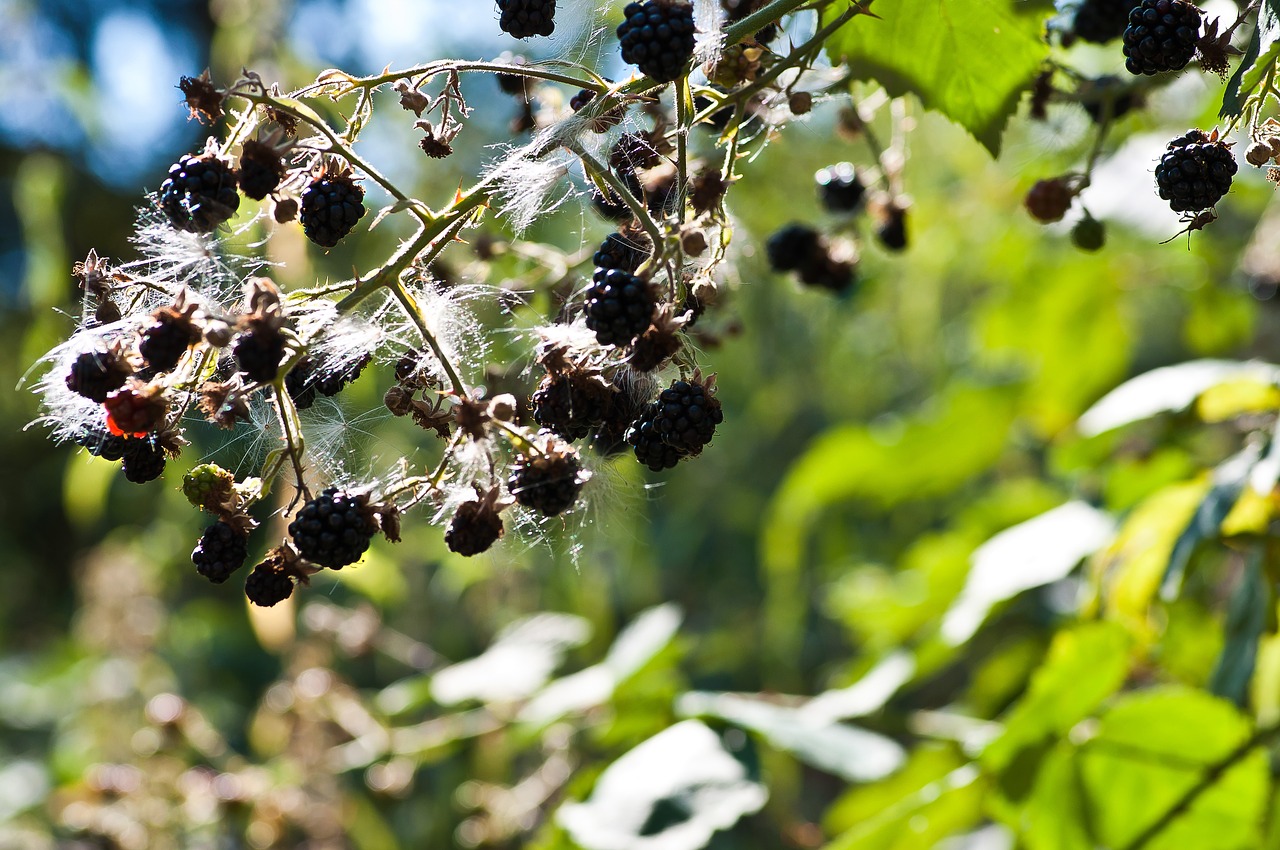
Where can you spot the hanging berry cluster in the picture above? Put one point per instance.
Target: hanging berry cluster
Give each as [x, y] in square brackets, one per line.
[196, 330]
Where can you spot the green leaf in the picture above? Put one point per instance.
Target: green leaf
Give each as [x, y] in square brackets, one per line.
[1246, 618]
[968, 59]
[1259, 58]
[1056, 815]
[920, 821]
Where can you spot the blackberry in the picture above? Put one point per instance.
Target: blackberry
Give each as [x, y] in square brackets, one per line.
[330, 382]
[611, 437]
[826, 272]
[300, 383]
[1107, 97]
[258, 352]
[143, 460]
[657, 37]
[333, 529]
[892, 230]
[331, 205]
[619, 251]
[94, 374]
[581, 99]
[99, 443]
[475, 527]
[220, 552]
[619, 306]
[167, 338]
[570, 403]
[1100, 21]
[1195, 172]
[199, 193]
[613, 207]
[839, 187]
[792, 247]
[526, 18]
[1089, 234]
[268, 584]
[548, 483]
[260, 169]
[513, 84]
[134, 409]
[1161, 36]
[1049, 200]
[678, 424]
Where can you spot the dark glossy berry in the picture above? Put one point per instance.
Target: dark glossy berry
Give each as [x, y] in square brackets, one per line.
[258, 352]
[260, 170]
[1089, 234]
[658, 37]
[619, 306]
[331, 205]
[331, 381]
[300, 383]
[1049, 200]
[793, 247]
[100, 443]
[1194, 172]
[333, 529]
[143, 460]
[892, 230]
[547, 483]
[475, 526]
[199, 193]
[826, 272]
[581, 99]
[1100, 21]
[571, 403]
[1161, 36]
[220, 552]
[269, 584]
[611, 437]
[678, 424]
[839, 187]
[94, 374]
[613, 207]
[619, 251]
[526, 18]
[166, 339]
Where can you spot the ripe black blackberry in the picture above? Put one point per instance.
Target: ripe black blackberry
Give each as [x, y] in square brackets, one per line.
[1161, 36]
[220, 552]
[332, 204]
[1100, 21]
[549, 482]
[261, 169]
[475, 526]
[1195, 171]
[611, 437]
[268, 584]
[330, 382]
[657, 37]
[678, 424]
[100, 443]
[839, 187]
[892, 230]
[300, 383]
[614, 207]
[258, 352]
[334, 528]
[581, 99]
[94, 374]
[1107, 97]
[143, 460]
[792, 247]
[199, 193]
[516, 85]
[167, 337]
[526, 18]
[571, 403]
[827, 272]
[622, 251]
[619, 306]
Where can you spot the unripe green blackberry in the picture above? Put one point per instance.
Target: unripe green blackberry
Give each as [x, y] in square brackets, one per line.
[1100, 21]
[1195, 172]
[269, 584]
[220, 552]
[658, 38]
[332, 204]
[475, 526]
[839, 187]
[570, 403]
[166, 338]
[94, 374]
[548, 482]
[208, 486]
[792, 247]
[199, 193]
[619, 306]
[143, 460]
[527, 18]
[258, 352]
[1161, 36]
[678, 424]
[334, 528]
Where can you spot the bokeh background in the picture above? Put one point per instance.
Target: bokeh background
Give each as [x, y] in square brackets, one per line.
[870, 444]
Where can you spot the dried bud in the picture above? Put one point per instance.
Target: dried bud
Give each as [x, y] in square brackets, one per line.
[800, 103]
[503, 407]
[398, 400]
[411, 99]
[284, 210]
[693, 241]
[224, 404]
[1258, 154]
[203, 98]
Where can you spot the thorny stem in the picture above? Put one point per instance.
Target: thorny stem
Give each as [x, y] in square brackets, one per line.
[606, 176]
[431, 482]
[432, 69]
[292, 432]
[414, 312]
[684, 106]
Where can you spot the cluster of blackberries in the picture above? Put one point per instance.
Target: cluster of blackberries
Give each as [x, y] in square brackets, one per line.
[307, 379]
[1162, 35]
[142, 459]
[800, 248]
[658, 37]
[1195, 171]
[527, 18]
